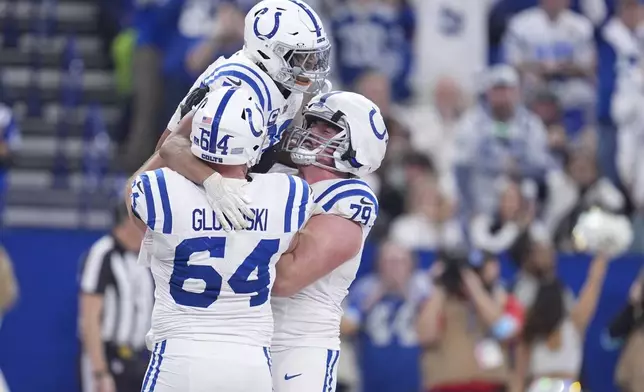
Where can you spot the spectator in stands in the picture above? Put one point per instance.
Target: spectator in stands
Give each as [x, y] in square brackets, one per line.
[9, 144]
[622, 132]
[116, 299]
[381, 316]
[153, 23]
[376, 86]
[621, 92]
[546, 105]
[498, 137]
[574, 190]
[433, 127]
[227, 36]
[459, 29]
[535, 257]
[429, 223]
[199, 33]
[465, 326]
[372, 33]
[551, 45]
[553, 337]
[397, 179]
[628, 328]
[515, 214]
[8, 295]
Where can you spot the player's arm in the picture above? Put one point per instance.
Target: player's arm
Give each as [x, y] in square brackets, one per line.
[324, 244]
[175, 152]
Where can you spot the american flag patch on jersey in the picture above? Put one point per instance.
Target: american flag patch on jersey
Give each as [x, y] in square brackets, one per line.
[206, 120]
[237, 150]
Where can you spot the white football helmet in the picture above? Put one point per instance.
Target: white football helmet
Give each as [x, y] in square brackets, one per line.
[287, 38]
[358, 148]
[227, 128]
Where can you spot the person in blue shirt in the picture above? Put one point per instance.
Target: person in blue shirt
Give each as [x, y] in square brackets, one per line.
[199, 23]
[620, 44]
[9, 143]
[374, 35]
[153, 22]
[381, 315]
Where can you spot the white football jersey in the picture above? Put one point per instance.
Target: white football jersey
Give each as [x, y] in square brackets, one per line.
[532, 37]
[240, 71]
[213, 285]
[311, 318]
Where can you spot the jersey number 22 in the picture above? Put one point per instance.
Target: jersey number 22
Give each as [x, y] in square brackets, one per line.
[258, 259]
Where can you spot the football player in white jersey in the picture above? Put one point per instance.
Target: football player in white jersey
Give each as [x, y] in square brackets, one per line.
[212, 323]
[286, 53]
[342, 139]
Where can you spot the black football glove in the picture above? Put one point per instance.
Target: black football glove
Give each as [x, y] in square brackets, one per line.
[193, 99]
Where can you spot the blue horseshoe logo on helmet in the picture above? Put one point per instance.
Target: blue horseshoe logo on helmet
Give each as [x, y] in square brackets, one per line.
[272, 33]
[379, 135]
[249, 115]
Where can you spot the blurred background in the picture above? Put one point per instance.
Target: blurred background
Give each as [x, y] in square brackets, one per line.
[508, 119]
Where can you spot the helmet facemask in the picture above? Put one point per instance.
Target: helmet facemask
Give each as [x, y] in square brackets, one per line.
[303, 70]
[308, 147]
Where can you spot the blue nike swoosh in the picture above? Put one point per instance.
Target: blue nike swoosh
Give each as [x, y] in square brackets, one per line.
[287, 377]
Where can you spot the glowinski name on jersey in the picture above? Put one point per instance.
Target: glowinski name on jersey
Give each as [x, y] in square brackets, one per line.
[211, 284]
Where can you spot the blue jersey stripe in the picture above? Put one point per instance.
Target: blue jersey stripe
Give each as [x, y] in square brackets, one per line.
[151, 366]
[306, 9]
[149, 201]
[303, 203]
[247, 79]
[156, 376]
[214, 127]
[289, 205]
[326, 96]
[335, 360]
[329, 355]
[338, 185]
[263, 97]
[165, 201]
[349, 193]
[267, 354]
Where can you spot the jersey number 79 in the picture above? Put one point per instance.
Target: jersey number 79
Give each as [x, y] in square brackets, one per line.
[258, 259]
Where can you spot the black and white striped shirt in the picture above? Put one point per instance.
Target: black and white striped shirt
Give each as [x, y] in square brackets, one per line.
[108, 269]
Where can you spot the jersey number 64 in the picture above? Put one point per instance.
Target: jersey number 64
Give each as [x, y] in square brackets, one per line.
[239, 282]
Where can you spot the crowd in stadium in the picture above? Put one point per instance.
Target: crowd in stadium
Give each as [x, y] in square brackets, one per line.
[508, 120]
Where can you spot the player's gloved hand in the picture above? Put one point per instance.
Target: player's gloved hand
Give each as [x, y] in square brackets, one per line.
[227, 198]
[193, 99]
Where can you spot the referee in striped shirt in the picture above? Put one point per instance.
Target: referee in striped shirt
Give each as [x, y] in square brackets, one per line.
[116, 299]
